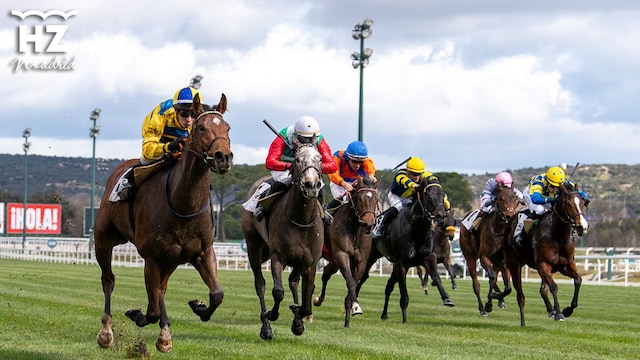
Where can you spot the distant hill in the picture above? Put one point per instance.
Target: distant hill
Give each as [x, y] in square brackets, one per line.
[614, 185]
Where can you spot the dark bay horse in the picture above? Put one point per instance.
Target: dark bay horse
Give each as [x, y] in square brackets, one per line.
[549, 247]
[170, 222]
[348, 242]
[408, 243]
[485, 243]
[291, 235]
[443, 234]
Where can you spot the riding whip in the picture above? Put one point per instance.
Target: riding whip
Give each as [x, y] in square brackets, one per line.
[574, 170]
[397, 166]
[276, 132]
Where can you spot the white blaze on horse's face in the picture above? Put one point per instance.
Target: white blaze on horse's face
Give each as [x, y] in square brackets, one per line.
[582, 221]
[309, 163]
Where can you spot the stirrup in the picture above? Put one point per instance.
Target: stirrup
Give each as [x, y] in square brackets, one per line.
[259, 213]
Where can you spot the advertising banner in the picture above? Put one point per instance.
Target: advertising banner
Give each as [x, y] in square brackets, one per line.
[41, 218]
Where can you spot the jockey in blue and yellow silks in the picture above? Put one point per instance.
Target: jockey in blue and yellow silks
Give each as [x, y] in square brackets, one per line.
[164, 131]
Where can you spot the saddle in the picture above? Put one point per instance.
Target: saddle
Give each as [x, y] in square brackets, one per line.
[143, 172]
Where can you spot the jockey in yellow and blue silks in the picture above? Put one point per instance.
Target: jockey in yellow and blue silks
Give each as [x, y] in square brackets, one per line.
[540, 194]
[164, 131]
[404, 185]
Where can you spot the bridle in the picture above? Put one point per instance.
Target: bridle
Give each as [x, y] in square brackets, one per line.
[566, 218]
[204, 155]
[428, 211]
[504, 219]
[299, 180]
[360, 215]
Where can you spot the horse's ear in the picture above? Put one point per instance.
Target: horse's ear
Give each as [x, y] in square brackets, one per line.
[197, 105]
[222, 105]
[294, 142]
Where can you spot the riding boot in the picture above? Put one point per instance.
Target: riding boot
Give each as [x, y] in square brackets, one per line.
[334, 203]
[327, 218]
[387, 216]
[276, 186]
[520, 227]
[124, 187]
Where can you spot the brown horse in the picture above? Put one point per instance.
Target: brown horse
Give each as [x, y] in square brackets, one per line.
[549, 247]
[170, 222]
[442, 236]
[291, 235]
[408, 243]
[485, 243]
[348, 242]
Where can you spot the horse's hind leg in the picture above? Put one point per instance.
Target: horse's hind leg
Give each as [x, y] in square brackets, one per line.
[103, 256]
[328, 271]
[208, 270]
[266, 332]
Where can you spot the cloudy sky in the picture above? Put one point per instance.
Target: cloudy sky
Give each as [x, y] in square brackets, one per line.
[470, 86]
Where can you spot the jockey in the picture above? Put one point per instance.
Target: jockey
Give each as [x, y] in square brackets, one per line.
[540, 194]
[491, 189]
[404, 185]
[280, 159]
[164, 131]
[351, 163]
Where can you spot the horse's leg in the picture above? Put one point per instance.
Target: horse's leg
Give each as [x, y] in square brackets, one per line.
[374, 255]
[423, 280]
[432, 268]
[572, 272]
[103, 256]
[545, 274]
[294, 281]
[308, 281]
[328, 271]
[343, 262]
[297, 325]
[473, 273]
[544, 294]
[391, 283]
[278, 290]
[404, 295]
[516, 271]
[447, 265]
[506, 280]
[259, 283]
[208, 269]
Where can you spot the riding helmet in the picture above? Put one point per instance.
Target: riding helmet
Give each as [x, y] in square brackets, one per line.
[307, 126]
[184, 97]
[415, 165]
[504, 178]
[357, 151]
[555, 176]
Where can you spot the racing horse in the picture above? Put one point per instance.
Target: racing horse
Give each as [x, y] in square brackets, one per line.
[170, 222]
[348, 242]
[549, 247]
[408, 243]
[442, 236]
[291, 236]
[485, 243]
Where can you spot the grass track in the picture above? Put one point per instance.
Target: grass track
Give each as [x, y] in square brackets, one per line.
[52, 311]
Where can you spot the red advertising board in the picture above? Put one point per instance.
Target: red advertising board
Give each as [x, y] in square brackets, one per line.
[41, 218]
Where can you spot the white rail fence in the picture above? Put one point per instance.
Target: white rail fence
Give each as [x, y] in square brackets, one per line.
[598, 266]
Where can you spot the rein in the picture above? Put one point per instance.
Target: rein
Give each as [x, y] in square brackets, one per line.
[204, 156]
[567, 219]
[359, 214]
[166, 197]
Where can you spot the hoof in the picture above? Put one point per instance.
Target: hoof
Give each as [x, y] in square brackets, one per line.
[317, 301]
[488, 307]
[426, 290]
[105, 339]
[454, 287]
[559, 317]
[448, 302]
[356, 309]
[568, 311]
[266, 334]
[483, 313]
[310, 318]
[163, 343]
[502, 304]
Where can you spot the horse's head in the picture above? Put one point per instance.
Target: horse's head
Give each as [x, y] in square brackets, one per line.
[569, 205]
[307, 169]
[450, 225]
[364, 200]
[506, 203]
[209, 138]
[431, 196]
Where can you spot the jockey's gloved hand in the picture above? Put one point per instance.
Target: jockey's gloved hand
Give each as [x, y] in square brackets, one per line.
[175, 145]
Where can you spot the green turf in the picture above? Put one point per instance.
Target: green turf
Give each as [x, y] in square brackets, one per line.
[52, 311]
